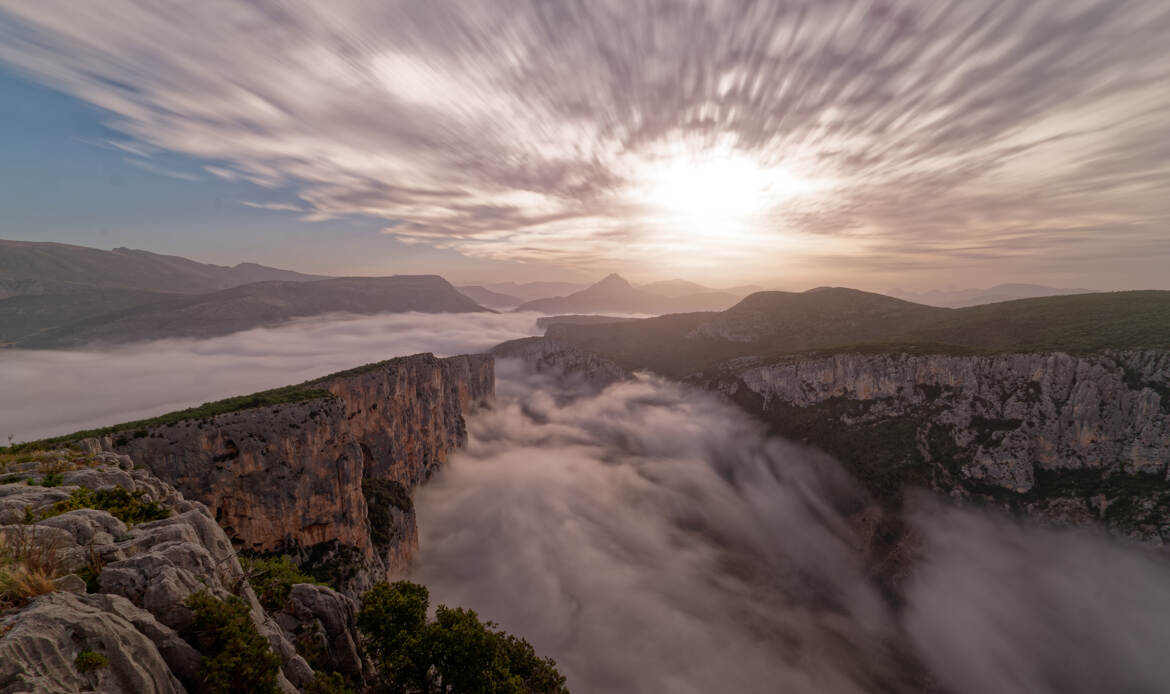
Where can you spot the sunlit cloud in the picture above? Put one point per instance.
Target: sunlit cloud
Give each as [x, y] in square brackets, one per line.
[770, 134]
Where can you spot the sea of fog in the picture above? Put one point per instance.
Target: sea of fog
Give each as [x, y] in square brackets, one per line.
[652, 538]
[50, 392]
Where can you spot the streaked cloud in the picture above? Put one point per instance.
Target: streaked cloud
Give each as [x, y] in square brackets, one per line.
[274, 206]
[876, 134]
[147, 165]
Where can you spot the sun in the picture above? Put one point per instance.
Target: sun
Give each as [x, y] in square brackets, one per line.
[718, 187]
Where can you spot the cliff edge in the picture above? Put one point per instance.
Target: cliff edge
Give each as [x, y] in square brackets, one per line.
[327, 477]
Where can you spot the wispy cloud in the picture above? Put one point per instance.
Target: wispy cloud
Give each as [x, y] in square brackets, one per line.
[146, 165]
[538, 132]
[275, 206]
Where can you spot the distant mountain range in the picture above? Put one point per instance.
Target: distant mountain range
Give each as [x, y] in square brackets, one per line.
[254, 305]
[840, 319]
[615, 295]
[55, 295]
[486, 297]
[530, 291]
[959, 298]
[31, 267]
[677, 288]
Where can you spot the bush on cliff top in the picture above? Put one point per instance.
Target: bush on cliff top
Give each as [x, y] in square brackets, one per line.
[273, 578]
[236, 656]
[121, 503]
[454, 654]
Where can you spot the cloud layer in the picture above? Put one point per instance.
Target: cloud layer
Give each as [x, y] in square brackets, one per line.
[48, 393]
[890, 135]
[652, 539]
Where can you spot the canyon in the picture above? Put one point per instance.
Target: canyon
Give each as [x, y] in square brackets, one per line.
[1057, 408]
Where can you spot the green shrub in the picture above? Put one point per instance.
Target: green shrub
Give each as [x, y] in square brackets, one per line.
[454, 654]
[272, 579]
[236, 657]
[88, 661]
[53, 479]
[381, 496]
[121, 503]
[331, 683]
[393, 618]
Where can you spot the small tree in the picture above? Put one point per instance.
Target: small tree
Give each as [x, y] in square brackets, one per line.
[455, 654]
[393, 618]
[236, 656]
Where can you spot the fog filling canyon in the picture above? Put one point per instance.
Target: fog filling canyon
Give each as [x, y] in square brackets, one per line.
[652, 538]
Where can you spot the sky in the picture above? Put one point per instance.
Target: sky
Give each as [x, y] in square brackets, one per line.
[788, 143]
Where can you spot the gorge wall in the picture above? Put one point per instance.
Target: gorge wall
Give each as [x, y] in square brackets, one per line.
[1073, 439]
[327, 479]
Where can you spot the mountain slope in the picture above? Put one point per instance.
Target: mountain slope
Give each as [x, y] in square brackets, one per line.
[961, 298]
[24, 316]
[486, 297]
[615, 295]
[769, 323]
[677, 288]
[31, 267]
[530, 291]
[259, 304]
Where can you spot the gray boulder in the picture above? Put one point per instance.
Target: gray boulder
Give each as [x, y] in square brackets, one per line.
[39, 652]
[327, 620]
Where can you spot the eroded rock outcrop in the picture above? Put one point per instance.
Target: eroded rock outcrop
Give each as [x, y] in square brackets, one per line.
[139, 577]
[1073, 438]
[305, 477]
[39, 652]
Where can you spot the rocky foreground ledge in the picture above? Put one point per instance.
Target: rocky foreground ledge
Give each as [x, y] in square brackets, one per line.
[91, 600]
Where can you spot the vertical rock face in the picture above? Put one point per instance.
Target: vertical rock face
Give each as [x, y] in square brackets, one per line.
[322, 478]
[1079, 438]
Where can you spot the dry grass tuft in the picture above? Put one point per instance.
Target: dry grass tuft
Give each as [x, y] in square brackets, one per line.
[28, 567]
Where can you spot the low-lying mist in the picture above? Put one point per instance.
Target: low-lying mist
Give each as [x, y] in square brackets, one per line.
[50, 392]
[653, 539]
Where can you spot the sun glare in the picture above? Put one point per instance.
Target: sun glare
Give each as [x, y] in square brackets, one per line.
[718, 188]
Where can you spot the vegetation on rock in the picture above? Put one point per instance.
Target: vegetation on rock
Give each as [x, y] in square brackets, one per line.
[88, 661]
[454, 654]
[381, 496]
[273, 577]
[123, 504]
[139, 428]
[331, 683]
[28, 567]
[236, 657]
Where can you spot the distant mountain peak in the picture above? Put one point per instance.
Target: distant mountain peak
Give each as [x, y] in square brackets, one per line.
[613, 281]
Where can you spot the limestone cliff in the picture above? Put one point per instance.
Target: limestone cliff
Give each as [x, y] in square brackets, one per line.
[545, 354]
[1077, 439]
[326, 479]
